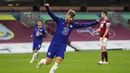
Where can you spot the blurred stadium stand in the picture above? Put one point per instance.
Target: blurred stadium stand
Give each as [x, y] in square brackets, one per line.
[23, 14]
[64, 5]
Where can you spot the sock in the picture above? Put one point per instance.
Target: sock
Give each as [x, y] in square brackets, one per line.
[33, 57]
[54, 67]
[43, 61]
[106, 56]
[39, 64]
[38, 54]
[102, 56]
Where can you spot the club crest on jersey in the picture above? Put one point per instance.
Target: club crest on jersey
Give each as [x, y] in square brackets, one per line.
[65, 31]
[37, 33]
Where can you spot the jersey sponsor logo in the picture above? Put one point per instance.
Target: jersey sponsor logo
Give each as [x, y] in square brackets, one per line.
[101, 26]
[40, 29]
[65, 31]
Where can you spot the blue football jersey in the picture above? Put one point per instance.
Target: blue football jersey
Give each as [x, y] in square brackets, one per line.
[39, 34]
[63, 31]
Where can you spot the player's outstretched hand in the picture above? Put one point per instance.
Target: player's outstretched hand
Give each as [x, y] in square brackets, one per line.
[98, 21]
[47, 4]
[31, 36]
[94, 32]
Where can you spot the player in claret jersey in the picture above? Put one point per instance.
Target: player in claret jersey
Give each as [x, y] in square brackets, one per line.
[104, 29]
[60, 40]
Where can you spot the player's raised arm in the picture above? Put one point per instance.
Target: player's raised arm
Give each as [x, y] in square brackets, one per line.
[53, 16]
[77, 25]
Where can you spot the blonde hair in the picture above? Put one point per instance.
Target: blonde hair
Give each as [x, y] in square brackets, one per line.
[71, 13]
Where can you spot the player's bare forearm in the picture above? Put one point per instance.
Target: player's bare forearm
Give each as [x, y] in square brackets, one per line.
[31, 36]
[54, 17]
[48, 33]
[106, 32]
[98, 30]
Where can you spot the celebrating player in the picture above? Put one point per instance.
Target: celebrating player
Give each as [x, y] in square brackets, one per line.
[104, 35]
[60, 40]
[39, 34]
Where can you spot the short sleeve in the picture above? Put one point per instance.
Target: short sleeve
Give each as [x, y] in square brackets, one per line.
[108, 24]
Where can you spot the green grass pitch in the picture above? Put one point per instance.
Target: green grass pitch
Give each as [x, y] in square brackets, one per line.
[74, 62]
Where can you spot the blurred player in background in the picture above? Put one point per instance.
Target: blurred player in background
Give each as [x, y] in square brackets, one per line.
[38, 34]
[60, 40]
[104, 36]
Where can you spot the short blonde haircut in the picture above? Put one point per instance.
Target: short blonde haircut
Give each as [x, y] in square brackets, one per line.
[71, 13]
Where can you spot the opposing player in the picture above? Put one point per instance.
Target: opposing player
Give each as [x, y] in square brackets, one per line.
[38, 34]
[60, 40]
[104, 36]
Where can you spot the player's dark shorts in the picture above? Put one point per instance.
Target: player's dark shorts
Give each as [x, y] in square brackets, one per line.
[55, 50]
[36, 46]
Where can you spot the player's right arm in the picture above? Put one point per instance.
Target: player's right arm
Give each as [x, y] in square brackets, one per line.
[53, 16]
[33, 34]
[98, 30]
[35, 25]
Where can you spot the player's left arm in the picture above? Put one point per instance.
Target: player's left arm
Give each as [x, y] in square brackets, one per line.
[107, 29]
[48, 33]
[77, 25]
[33, 32]
[32, 35]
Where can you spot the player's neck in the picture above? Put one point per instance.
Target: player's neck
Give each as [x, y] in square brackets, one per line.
[105, 18]
[66, 21]
[39, 26]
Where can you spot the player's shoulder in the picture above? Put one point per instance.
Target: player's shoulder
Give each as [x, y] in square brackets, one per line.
[36, 27]
[73, 22]
[108, 21]
[61, 18]
[43, 28]
[100, 20]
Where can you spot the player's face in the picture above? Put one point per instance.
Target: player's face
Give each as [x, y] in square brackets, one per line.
[103, 15]
[40, 23]
[69, 18]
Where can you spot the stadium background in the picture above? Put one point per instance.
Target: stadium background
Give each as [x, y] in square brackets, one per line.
[17, 18]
